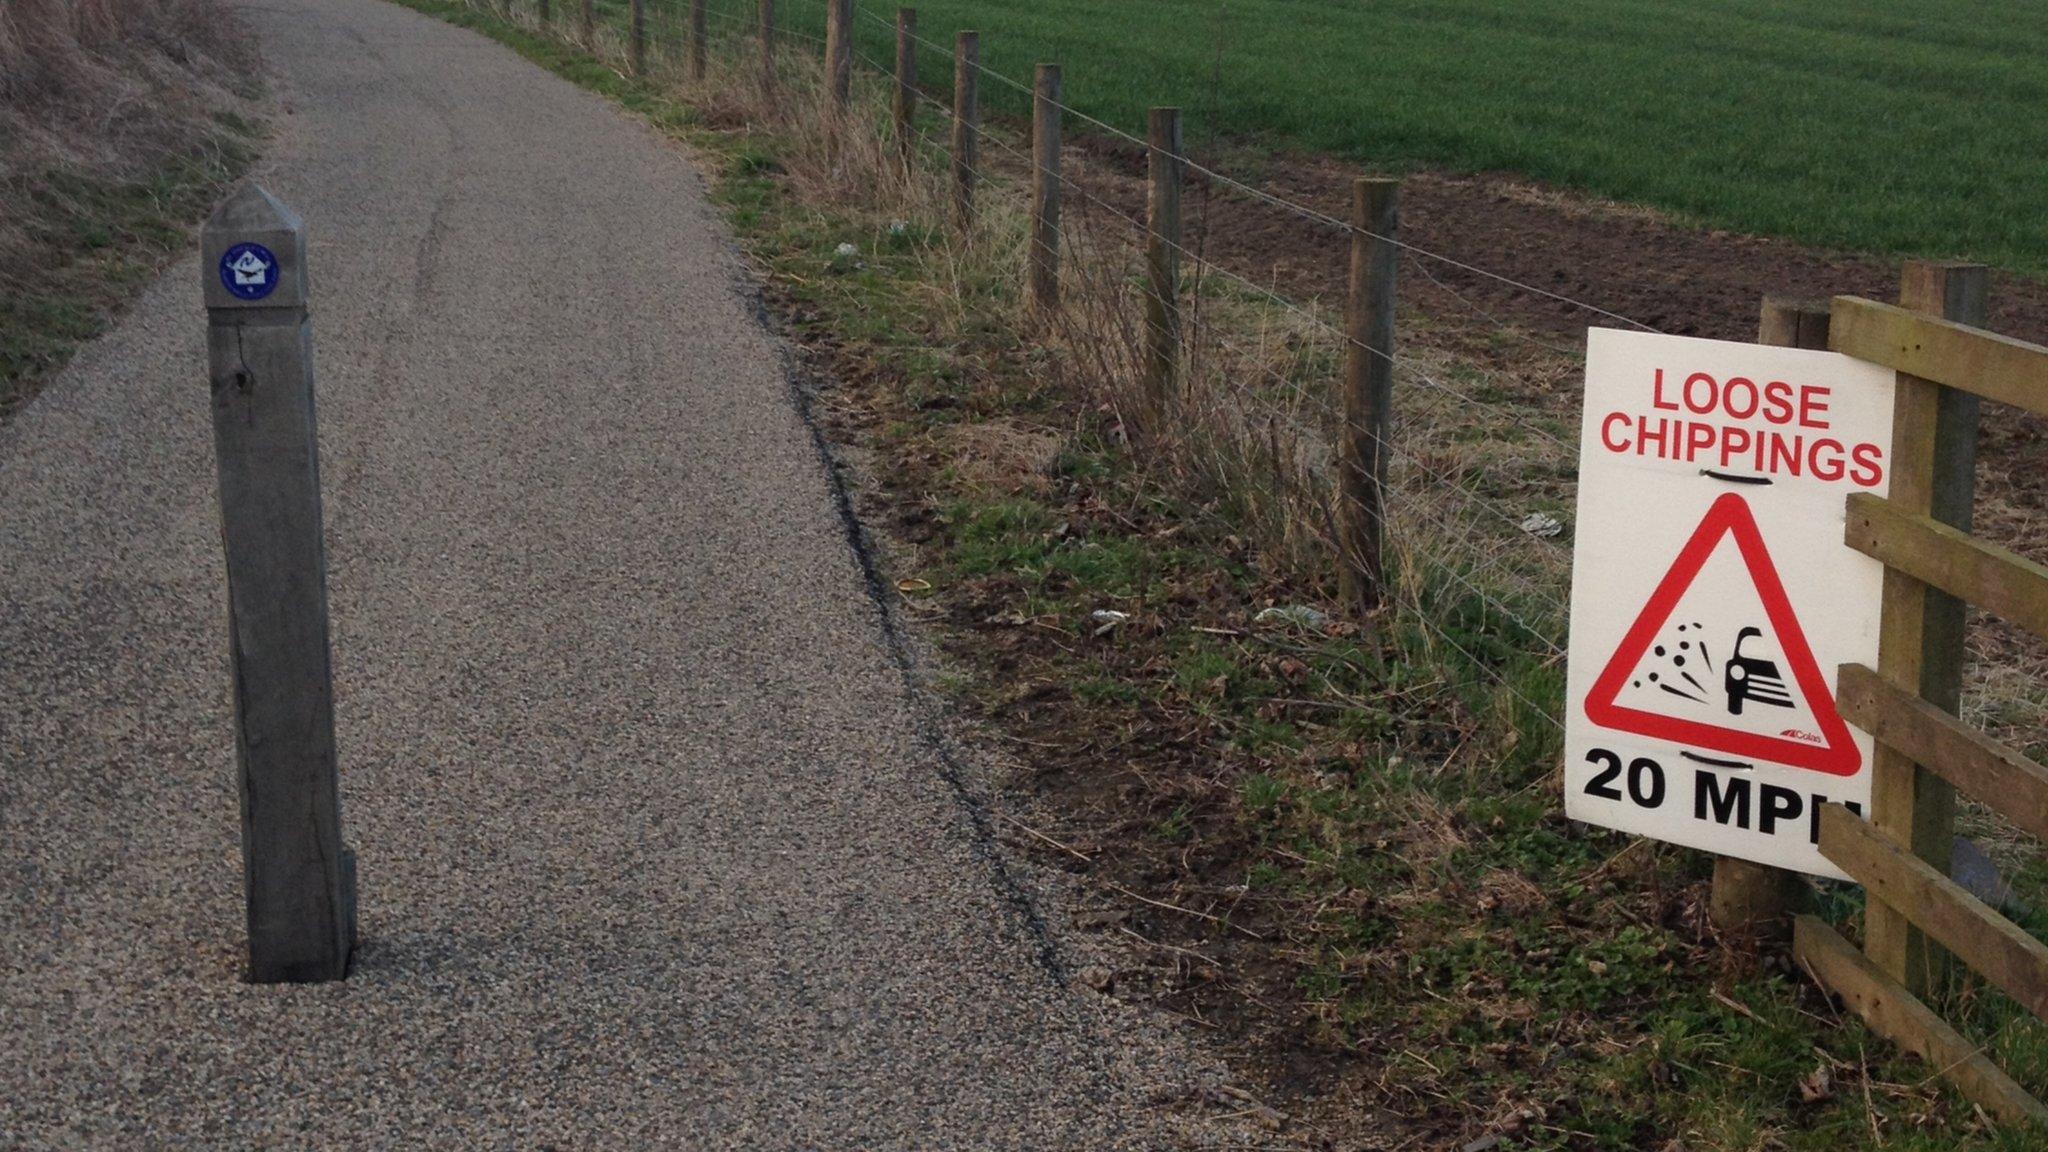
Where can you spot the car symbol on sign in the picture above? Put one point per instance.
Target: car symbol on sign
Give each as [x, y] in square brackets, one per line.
[1753, 678]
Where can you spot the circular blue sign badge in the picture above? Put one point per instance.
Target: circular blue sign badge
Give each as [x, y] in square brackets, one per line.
[249, 271]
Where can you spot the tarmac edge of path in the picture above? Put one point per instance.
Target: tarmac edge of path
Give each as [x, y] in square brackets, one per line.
[931, 715]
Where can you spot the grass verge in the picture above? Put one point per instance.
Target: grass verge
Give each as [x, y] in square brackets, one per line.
[100, 242]
[1337, 848]
[121, 123]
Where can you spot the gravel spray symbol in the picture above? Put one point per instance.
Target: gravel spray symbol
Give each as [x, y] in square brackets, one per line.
[1688, 672]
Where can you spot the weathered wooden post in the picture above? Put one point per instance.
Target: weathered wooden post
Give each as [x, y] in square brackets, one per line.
[1920, 648]
[698, 20]
[1749, 901]
[906, 77]
[767, 21]
[839, 54]
[299, 878]
[1163, 169]
[636, 46]
[966, 122]
[1365, 444]
[588, 22]
[1045, 189]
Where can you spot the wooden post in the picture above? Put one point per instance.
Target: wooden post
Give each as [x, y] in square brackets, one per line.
[589, 24]
[1045, 189]
[966, 122]
[839, 53]
[1793, 323]
[1920, 644]
[1163, 168]
[299, 878]
[767, 11]
[636, 48]
[1365, 445]
[906, 77]
[1753, 902]
[697, 37]
[546, 15]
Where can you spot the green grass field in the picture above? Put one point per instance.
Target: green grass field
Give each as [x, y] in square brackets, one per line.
[1912, 128]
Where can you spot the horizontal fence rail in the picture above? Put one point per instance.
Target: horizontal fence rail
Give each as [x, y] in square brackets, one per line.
[1995, 367]
[1899, 1017]
[1992, 578]
[1982, 767]
[1996, 947]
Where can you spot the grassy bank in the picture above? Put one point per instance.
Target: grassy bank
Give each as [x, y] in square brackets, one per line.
[1334, 844]
[121, 122]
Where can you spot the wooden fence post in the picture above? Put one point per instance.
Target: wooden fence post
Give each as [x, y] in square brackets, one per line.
[588, 23]
[698, 36]
[906, 77]
[298, 876]
[636, 47]
[839, 53]
[1163, 168]
[966, 122]
[1920, 648]
[1045, 188]
[1750, 901]
[767, 11]
[1368, 394]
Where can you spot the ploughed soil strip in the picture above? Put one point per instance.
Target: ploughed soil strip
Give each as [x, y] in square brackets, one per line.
[1632, 261]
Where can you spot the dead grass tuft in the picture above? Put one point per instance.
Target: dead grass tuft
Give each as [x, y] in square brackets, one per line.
[1003, 457]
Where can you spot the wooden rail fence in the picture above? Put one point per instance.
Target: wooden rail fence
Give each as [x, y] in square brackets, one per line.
[1917, 918]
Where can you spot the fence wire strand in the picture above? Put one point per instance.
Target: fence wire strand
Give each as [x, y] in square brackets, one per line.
[1304, 211]
[1319, 404]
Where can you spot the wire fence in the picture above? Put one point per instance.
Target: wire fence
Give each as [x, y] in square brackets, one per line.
[1479, 486]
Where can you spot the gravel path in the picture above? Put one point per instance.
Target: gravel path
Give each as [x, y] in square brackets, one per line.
[655, 846]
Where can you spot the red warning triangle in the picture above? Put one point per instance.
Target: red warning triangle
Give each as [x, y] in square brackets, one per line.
[1836, 754]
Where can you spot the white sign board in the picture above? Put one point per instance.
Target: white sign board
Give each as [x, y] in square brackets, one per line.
[1712, 596]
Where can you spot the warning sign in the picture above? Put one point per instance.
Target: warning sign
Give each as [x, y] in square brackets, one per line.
[1712, 596]
[1747, 688]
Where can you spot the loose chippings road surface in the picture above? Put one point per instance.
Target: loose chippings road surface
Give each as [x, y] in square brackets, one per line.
[657, 846]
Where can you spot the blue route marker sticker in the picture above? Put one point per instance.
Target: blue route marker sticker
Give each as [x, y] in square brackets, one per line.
[249, 271]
